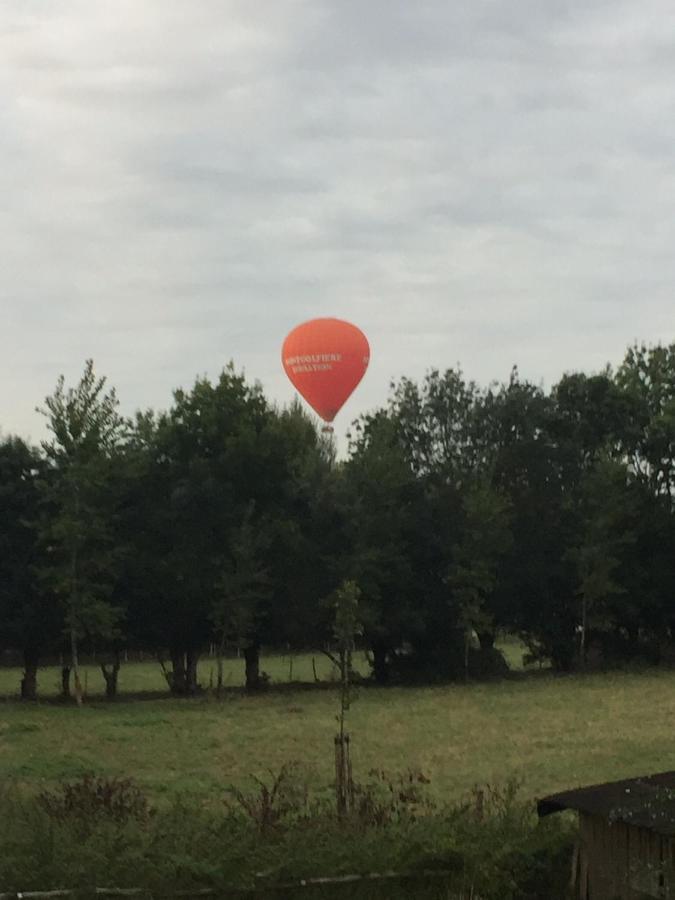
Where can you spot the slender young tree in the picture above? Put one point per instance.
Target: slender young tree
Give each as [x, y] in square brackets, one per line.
[78, 527]
[346, 628]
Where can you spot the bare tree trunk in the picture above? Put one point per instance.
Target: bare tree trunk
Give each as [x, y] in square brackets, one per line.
[582, 641]
[110, 676]
[79, 693]
[380, 665]
[178, 674]
[29, 680]
[220, 664]
[252, 661]
[191, 685]
[65, 682]
[467, 644]
[167, 673]
[344, 783]
[74, 574]
[486, 639]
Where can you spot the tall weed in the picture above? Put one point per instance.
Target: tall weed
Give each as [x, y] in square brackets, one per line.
[492, 848]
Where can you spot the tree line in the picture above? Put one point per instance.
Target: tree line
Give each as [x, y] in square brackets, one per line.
[460, 512]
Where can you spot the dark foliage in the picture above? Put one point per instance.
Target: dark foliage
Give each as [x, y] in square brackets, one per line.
[460, 513]
[95, 798]
[105, 839]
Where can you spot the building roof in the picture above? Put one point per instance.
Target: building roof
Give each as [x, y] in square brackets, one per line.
[647, 802]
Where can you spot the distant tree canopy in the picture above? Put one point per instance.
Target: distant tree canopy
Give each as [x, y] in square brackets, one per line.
[460, 513]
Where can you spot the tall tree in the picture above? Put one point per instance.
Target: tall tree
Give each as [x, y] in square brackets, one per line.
[78, 534]
[647, 376]
[437, 422]
[387, 517]
[604, 532]
[219, 485]
[305, 521]
[241, 592]
[29, 617]
[534, 595]
[475, 562]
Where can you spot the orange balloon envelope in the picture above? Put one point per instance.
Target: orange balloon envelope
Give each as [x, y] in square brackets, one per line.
[326, 359]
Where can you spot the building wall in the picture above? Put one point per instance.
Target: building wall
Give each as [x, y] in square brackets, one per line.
[620, 862]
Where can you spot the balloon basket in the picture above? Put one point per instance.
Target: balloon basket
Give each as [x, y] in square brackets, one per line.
[327, 429]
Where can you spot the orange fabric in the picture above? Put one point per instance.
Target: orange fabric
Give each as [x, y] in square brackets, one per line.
[326, 359]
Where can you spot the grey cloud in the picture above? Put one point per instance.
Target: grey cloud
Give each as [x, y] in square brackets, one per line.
[182, 183]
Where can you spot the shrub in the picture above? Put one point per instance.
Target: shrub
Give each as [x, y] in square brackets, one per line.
[492, 846]
[95, 797]
[286, 796]
[508, 853]
[389, 798]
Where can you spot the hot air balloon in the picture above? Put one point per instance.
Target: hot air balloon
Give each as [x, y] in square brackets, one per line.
[326, 359]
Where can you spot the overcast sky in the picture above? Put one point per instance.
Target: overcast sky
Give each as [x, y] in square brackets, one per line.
[184, 181]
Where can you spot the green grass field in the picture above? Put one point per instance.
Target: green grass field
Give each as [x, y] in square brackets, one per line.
[548, 732]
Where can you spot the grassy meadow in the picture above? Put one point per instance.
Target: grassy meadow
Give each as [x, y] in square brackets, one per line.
[548, 732]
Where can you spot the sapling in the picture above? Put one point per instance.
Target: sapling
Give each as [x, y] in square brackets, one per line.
[346, 628]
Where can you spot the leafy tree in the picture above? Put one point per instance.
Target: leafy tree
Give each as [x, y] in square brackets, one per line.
[306, 523]
[535, 591]
[223, 493]
[647, 377]
[460, 510]
[437, 422]
[590, 419]
[29, 617]
[475, 561]
[244, 587]
[78, 537]
[196, 485]
[387, 516]
[597, 557]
